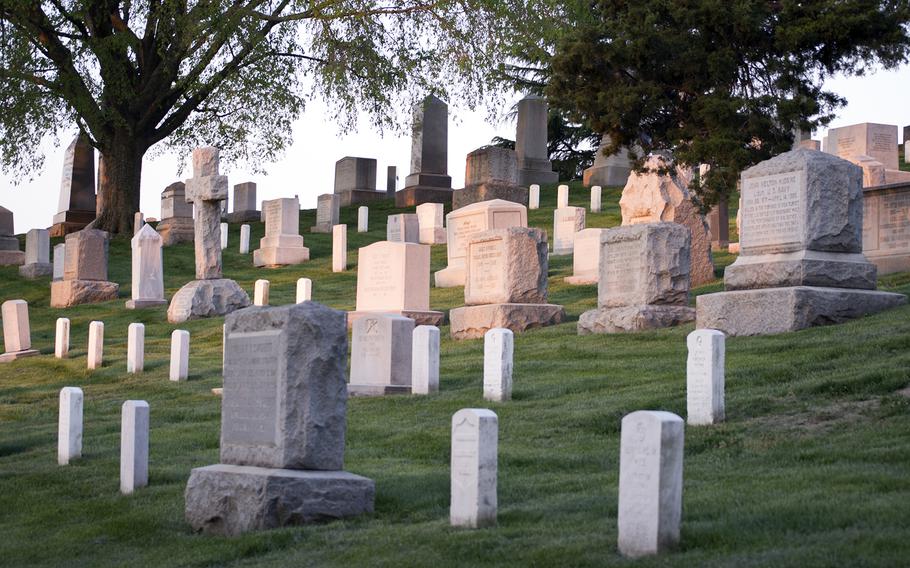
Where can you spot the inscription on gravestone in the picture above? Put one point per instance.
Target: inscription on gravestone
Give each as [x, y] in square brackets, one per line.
[250, 403]
[465, 439]
[487, 266]
[623, 267]
[775, 210]
[377, 279]
[464, 229]
[273, 218]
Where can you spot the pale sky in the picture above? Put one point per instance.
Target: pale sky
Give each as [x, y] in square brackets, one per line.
[308, 166]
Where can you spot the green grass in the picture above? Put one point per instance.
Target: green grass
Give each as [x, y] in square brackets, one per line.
[810, 469]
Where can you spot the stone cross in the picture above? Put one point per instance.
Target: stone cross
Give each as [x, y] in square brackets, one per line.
[205, 190]
[95, 344]
[62, 338]
[425, 360]
[304, 290]
[69, 425]
[650, 482]
[497, 364]
[475, 437]
[180, 355]
[705, 377]
[134, 446]
[135, 348]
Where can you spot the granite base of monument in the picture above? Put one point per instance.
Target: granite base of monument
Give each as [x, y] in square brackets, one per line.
[248, 216]
[806, 267]
[67, 222]
[205, 299]
[142, 304]
[419, 194]
[420, 317]
[280, 256]
[66, 293]
[471, 322]
[606, 176]
[176, 230]
[12, 258]
[7, 357]
[36, 270]
[486, 191]
[377, 390]
[779, 310]
[633, 318]
[349, 197]
[230, 500]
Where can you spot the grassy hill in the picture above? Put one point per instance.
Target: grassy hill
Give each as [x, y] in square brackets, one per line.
[811, 467]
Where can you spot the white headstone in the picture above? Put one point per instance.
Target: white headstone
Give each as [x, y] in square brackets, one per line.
[147, 269]
[244, 239]
[425, 360]
[430, 223]
[596, 199]
[534, 197]
[17, 335]
[566, 222]
[62, 338]
[705, 377]
[261, 293]
[304, 290]
[135, 348]
[498, 347]
[180, 355]
[650, 482]
[475, 437]
[363, 219]
[381, 354]
[59, 259]
[95, 344]
[224, 236]
[134, 446]
[562, 196]
[403, 228]
[339, 248]
[69, 425]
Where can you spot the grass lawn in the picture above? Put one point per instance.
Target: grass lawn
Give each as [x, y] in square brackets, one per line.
[811, 468]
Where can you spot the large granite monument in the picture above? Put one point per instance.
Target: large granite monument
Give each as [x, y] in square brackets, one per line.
[490, 173]
[176, 224]
[609, 170]
[355, 181]
[245, 204]
[531, 143]
[282, 243]
[37, 255]
[429, 181]
[886, 227]
[77, 188]
[10, 255]
[84, 271]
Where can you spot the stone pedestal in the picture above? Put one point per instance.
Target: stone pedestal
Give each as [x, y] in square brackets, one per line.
[486, 191]
[176, 224]
[490, 173]
[531, 143]
[84, 272]
[77, 189]
[282, 244]
[176, 230]
[429, 181]
[355, 181]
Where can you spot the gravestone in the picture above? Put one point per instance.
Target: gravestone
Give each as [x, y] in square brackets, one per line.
[148, 270]
[395, 278]
[650, 197]
[76, 207]
[59, 261]
[567, 221]
[462, 224]
[37, 255]
[210, 294]
[282, 426]
[705, 377]
[403, 228]
[886, 227]
[138, 221]
[180, 355]
[69, 425]
[429, 180]
[17, 335]
[224, 236]
[261, 293]
[534, 197]
[135, 348]
[586, 257]
[84, 271]
[245, 238]
[339, 248]
[327, 213]
[562, 196]
[355, 181]
[304, 290]
[612, 170]
[10, 255]
[176, 224]
[381, 355]
[800, 262]
[650, 482]
[430, 223]
[62, 338]
[878, 141]
[245, 203]
[505, 285]
[490, 173]
[498, 347]
[719, 225]
[475, 437]
[134, 446]
[282, 244]
[596, 199]
[363, 219]
[531, 143]
[425, 360]
[391, 181]
[644, 279]
[95, 357]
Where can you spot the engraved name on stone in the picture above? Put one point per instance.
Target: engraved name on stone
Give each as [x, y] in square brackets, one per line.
[250, 403]
[487, 266]
[894, 222]
[773, 207]
[623, 267]
[273, 216]
[378, 278]
[465, 228]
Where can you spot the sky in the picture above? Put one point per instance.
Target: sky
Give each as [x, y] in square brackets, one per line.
[308, 166]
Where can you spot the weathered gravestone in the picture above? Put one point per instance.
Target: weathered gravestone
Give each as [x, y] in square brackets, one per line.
[462, 224]
[490, 173]
[719, 225]
[475, 440]
[878, 141]
[17, 335]
[650, 197]
[498, 349]
[567, 222]
[506, 284]
[609, 170]
[176, 224]
[10, 255]
[62, 338]
[586, 257]
[403, 228]
[282, 243]
[282, 426]
[37, 255]
[69, 425]
[650, 482]
[430, 223]
[644, 280]
[245, 203]
[84, 271]
[339, 248]
[534, 196]
[395, 278]
[77, 188]
[886, 227]
[531, 143]
[134, 446]
[425, 359]
[135, 348]
[363, 219]
[801, 261]
[705, 377]
[59, 261]
[210, 294]
[429, 181]
[327, 213]
[95, 355]
[381, 355]
[355, 181]
[148, 270]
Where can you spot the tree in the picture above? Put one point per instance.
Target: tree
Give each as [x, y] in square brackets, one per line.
[234, 74]
[718, 82]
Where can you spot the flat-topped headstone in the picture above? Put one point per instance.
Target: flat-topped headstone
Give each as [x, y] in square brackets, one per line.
[403, 228]
[62, 338]
[567, 222]
[644, 279]
[800, 261]
[17, 335]
[498, 348]
[37, 255]
[245, 239]
[705, 377]
[176, 224]
[531, 143]
[179, 369]
[10, 255]
[462, 224]
[134, 446]
[59, 261]
[886, 227]
[84, 271]
[339, 248]
[327, 213]
[76, 207]
[355, 181]
[363, 219]
[586, 257]
[490, 173]
[381, 355]
[135, 348]
[69, 425]
[95, 357]
[878, 141]
[245, 204]
[395, 278]
[429, 181]
[391, 181]
[650, 482]
[6, 223]
[282, 243]
[430, 223]
[425, 360]
[609, 170]
[475, 440]
[147, 270]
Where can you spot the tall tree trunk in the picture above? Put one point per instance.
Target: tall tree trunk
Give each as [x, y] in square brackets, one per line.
[118, 187]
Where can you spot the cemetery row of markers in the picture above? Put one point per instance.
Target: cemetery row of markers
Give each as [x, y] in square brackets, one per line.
[651, 452]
